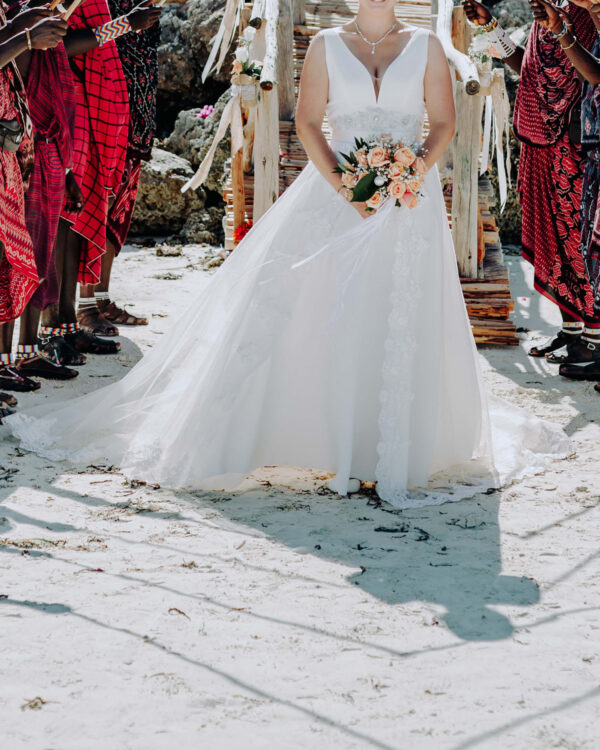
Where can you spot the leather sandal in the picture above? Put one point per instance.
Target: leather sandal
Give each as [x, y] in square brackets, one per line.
[40, 367]
[12, 380]
[119, 315]
[57, 350]
[7, 400]
[89, 343]
[93, 321]
[556, 342]
[579, 352]
[590, 371]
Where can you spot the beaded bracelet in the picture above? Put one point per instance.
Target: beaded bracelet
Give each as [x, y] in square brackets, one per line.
[112, 30]
[502, 45]
[490, 25]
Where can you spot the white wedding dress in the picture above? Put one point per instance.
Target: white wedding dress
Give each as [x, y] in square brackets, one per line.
[325, 341]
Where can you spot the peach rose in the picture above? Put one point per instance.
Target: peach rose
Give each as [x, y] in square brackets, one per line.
[375, 200]
[349, 179]
[397, 190]
[420, 165]
[346, 193]
[396, 171]
[361, 157]
[414, 185]
[237, 66]
[404, 156]
[378, 156]
[409, 200]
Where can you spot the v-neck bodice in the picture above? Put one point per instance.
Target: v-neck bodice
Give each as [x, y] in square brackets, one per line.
[354, 108]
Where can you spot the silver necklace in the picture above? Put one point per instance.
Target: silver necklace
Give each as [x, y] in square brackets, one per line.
[374, 44]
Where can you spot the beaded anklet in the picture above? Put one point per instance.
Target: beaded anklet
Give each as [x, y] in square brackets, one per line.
[27, 351]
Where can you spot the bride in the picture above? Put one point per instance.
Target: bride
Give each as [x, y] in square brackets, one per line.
[332, 338]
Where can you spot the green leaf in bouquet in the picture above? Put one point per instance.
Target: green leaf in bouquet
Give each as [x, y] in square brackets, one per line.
[365, 188]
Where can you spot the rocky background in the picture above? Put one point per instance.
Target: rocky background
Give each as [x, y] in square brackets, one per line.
[184, 137]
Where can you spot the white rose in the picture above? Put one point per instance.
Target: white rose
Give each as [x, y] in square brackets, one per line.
[242, 54]
[249, 33]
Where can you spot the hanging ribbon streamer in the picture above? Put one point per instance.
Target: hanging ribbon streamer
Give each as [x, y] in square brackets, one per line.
[223, 38]
[496, 127]
[232, 116]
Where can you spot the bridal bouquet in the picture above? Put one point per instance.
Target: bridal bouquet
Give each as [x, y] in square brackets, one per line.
[380, 169]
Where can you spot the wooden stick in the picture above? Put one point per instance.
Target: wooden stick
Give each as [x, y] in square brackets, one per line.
[464, 66]
[268, 77]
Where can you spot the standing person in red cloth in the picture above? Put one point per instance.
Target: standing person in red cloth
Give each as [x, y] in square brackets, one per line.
[18, 275]
[99, 148]
[139, 58]
[51, 97]
[547, 122]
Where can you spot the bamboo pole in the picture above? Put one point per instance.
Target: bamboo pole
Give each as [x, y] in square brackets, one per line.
[258, 14]
[266, 153]
[465, 185]
[268, 77]
[285, 61]
[237, 188]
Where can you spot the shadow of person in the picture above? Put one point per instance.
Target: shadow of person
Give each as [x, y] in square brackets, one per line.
[445, 555]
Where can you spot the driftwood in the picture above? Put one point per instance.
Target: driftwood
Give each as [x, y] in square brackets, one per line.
[268, 77]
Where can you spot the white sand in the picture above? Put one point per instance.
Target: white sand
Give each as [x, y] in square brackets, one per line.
[285, 617]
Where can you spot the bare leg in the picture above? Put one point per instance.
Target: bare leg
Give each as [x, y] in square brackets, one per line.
[30, 321]
[89, 314]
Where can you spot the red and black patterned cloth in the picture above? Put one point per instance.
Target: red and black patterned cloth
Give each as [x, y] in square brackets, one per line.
[100, 136]
[51, 95]
[18, 275]
[139, 58]
[551, 167]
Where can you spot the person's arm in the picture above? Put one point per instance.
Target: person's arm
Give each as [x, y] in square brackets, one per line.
[439, 102]
[80, 41]
[479, 15]
[559, 23]
[46, 35]
[312, 102]
[25, 20]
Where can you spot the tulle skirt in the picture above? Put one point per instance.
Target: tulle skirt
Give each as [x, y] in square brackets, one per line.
[325, 341]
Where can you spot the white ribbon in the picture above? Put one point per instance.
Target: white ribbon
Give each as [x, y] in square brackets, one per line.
[232, 115]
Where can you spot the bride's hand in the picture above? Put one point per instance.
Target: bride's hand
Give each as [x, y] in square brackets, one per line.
[362, 209]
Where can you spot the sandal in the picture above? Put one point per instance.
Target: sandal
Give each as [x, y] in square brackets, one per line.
[93, 321]
[84, 341]
[12, 381]
[119, 315]
[557, 342]
[56, 349]
[579, 352]
[42, 367]
[7, 400]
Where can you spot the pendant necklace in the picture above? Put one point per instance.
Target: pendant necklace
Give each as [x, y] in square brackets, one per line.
[374, 44]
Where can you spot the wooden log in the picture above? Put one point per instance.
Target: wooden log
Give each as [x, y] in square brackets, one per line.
[463, 65]
[464, 191]
[299, 12]
[266, 153]
[237, 186]
[285, 61]
[258, 14]
[268, 77]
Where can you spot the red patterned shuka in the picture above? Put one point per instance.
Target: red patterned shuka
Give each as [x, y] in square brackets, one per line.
[51, 95]
[551, 167]
[18, 275]
[100, 136]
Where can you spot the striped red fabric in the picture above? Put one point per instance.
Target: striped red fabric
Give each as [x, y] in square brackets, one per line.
[100, 136]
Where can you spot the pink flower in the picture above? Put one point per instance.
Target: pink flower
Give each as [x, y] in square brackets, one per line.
[378, 156]
[397, 190]
[414, 185]
[404, 156]
[420, 165]
[375, 200]
[237, 66]
[409, 200]
[361, 157]
[349, 179]
[396, 171]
